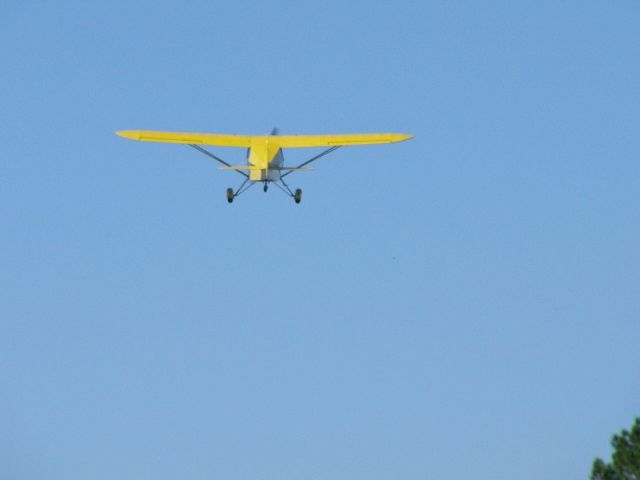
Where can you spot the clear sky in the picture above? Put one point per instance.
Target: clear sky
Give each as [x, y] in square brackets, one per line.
[462, 305]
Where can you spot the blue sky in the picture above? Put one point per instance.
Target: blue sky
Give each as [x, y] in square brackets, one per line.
[463, 304]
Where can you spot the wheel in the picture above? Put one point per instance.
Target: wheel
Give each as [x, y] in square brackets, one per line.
[230, 195]
[298, 195]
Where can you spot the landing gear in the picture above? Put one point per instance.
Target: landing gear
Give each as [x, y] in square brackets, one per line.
[282, 185]
[297, 195]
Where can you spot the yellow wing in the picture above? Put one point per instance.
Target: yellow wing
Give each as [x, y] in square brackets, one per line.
[189, 138]
[246, 141]
[302, 141]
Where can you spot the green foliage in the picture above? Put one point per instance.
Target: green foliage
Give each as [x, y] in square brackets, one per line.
[625, 461]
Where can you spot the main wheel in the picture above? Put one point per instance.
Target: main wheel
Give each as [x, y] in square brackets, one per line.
[230, 195]
[298, 196]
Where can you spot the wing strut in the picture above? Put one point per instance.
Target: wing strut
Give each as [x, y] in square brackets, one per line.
[209, 154]
[320, 155]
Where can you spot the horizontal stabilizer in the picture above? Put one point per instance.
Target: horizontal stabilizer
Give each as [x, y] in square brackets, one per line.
[251, 167]
[240, 168]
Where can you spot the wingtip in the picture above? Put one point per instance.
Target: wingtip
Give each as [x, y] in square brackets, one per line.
[401, 137]
[131, 134]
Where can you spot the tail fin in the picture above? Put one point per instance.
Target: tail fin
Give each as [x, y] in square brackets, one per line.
[275, 131]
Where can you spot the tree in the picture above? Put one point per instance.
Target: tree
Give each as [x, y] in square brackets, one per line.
[625, 461]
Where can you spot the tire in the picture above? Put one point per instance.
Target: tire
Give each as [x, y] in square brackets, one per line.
[230, 195]
[298, 196]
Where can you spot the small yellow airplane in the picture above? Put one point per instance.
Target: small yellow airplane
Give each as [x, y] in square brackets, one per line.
[265, 160]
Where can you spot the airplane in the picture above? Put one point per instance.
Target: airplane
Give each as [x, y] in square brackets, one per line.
[265, 160]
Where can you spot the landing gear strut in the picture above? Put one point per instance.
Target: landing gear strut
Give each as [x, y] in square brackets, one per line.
[282, 185]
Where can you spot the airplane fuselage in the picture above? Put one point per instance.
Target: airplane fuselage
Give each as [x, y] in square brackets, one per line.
[266, 161]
